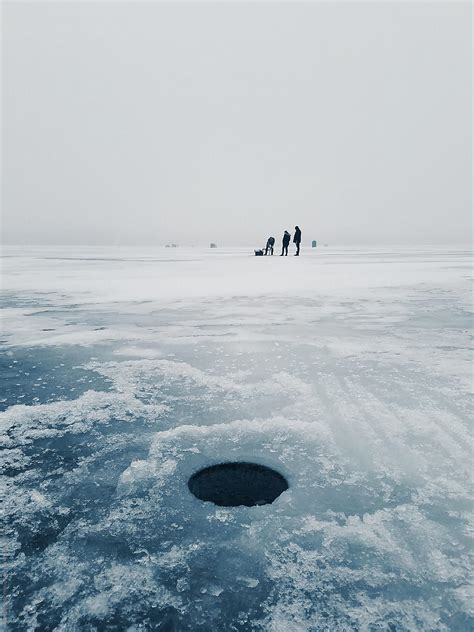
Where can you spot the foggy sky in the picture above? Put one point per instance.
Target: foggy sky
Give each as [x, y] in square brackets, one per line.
[145, 123]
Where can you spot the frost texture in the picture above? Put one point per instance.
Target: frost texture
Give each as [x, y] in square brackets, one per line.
[127, 371]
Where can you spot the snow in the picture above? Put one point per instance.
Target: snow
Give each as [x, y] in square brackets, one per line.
[346, 370]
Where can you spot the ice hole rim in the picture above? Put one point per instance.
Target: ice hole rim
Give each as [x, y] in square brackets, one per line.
[237, 483]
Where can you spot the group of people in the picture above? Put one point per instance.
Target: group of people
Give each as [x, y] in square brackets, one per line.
[285, 243]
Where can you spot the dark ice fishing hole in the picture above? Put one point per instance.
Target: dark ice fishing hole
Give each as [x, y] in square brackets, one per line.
[239, 483]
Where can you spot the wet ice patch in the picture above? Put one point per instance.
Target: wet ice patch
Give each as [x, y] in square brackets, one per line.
[39, 376]
[197, 393]
[23, 425]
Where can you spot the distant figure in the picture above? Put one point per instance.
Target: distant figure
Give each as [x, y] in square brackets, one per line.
[297, 240]
[285, 243]
[269, 246]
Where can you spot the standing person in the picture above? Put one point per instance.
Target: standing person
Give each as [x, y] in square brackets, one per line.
[269, 246]
[285, 243]
[297, 240]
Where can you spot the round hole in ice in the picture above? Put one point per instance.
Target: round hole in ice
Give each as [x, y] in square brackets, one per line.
[237, 483]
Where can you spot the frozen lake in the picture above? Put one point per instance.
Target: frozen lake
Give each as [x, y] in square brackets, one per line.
[348, 371]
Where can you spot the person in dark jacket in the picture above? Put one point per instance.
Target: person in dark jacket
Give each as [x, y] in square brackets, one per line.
[297, 240]
[285, 243]
[269, 246]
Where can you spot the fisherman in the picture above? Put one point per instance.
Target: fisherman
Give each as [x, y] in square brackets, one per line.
[285, 243]
[297, 240]
[269, 246]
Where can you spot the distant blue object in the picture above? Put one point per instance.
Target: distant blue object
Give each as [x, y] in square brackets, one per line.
[314, 243]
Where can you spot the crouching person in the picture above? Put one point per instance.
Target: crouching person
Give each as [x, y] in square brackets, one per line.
[269, 246]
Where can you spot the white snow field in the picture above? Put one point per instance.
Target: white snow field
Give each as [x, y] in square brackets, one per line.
[346, 370]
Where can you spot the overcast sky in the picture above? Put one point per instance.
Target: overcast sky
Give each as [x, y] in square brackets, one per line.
[145, 123]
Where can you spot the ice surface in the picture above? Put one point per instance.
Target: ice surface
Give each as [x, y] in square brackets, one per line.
[125, 371]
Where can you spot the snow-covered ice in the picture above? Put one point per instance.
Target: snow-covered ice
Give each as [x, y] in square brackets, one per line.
[126, 370]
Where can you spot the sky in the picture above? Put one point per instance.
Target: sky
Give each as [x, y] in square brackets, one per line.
[148, 123]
